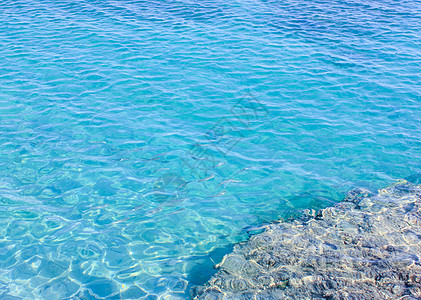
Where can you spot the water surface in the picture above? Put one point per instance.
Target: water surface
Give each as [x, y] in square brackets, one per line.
[139, 140]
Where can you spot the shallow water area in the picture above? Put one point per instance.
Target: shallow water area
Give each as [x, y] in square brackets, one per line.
[141, 140]
[366, 246]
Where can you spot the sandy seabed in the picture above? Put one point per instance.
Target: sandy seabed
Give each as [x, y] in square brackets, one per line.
[365, 247]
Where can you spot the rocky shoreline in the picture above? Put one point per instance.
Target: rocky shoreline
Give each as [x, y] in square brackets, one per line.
[365, 247]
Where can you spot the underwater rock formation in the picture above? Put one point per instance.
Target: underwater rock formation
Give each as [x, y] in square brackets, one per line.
[365, 247]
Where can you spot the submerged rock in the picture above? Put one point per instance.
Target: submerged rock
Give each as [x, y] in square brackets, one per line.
[366, 247]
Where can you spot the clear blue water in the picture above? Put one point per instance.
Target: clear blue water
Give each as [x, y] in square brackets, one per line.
[140, 140]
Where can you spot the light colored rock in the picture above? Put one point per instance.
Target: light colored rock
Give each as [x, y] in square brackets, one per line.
[367, 246]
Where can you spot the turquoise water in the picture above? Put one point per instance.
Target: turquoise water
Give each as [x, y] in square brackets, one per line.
[141, 139]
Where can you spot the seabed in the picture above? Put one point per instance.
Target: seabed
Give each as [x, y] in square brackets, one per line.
[365, 247]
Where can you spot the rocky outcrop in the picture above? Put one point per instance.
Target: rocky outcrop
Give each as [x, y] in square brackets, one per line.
[366, 247]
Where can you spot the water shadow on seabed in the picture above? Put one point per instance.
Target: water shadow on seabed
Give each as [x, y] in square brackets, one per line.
[201, 272]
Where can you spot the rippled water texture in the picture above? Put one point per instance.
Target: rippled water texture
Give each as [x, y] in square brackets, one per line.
[140, 139]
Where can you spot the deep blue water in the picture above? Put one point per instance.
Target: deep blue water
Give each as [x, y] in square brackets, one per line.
[139, 140]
